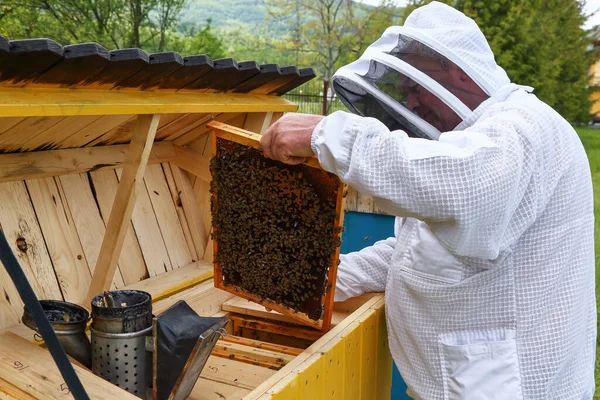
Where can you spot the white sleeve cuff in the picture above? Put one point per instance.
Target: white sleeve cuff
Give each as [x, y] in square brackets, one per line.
[332, 141]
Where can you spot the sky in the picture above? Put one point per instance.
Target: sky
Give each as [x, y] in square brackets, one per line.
[591, 6]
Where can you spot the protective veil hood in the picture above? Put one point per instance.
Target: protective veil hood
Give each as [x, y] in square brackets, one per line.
[373, 85]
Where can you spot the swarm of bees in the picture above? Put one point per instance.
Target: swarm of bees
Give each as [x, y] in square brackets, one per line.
[274, 225]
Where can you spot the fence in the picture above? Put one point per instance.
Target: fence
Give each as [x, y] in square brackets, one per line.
[309, 97]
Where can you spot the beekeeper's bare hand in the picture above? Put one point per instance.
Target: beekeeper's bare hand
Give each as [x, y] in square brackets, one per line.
[288, 139]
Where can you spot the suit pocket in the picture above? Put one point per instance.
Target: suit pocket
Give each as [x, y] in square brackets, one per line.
[480, 365]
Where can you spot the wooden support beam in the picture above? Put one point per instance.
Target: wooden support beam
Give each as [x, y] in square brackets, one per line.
[129, 187]
[31, 102]
[42, 164]
[193, 162]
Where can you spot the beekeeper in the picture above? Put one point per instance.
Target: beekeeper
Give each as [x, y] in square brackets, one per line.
[489, 279]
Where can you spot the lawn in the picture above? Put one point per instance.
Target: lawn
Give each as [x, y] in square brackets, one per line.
[591, 141]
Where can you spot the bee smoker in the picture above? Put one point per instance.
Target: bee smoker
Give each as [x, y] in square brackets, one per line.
[69, 322]
[121, 323]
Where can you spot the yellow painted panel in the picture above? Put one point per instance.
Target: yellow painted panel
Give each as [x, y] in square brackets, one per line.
[333, 372]
[353, 363]
[368, 377]
[384, 357]
[291, 391]
[311, 379]
[20, 102]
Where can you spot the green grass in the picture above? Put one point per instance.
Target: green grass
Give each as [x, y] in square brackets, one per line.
[591, 141]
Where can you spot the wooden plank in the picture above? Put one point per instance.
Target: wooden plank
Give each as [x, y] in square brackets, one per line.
[364, 203]
[23, 102]
[252, 355]
[96, 129]
[204, 146]
[166, 216]
[160, 66]
[11, 306]
[208, 303]
[129, 188]
[28, 59]
[207, 389]
[258, 122]
[50, 138]
[194, 67]
[32, 369]
[292, 351]
[148, 233]
[287, 74]
[61, 238]
[281, 329]
[123, 63]
[10, 392]
[106, 185]
[183, 125]
[80, 200]
[234, 373]
[175, 281]
[6, 123]
[190, 207]
[18, 221]
[305, 75]
[40, 164]
[246, 307]
[225, 75]
[268, 72]
[12, 139]
[274, 338]
[180, 212]
[123, 132]
[193, 162]
[80, 61]
[203, 129]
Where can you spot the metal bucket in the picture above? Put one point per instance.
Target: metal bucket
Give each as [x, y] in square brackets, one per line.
[69, 322]
[121, 323]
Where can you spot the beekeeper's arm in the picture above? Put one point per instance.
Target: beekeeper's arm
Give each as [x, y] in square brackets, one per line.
[466, 187]
[364, 271]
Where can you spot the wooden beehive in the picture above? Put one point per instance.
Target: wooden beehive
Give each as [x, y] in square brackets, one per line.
[105, 183]
[290, 264]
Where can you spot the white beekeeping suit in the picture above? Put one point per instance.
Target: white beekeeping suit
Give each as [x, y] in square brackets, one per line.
[489, 279]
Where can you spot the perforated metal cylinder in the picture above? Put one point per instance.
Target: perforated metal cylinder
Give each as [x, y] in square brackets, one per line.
[122, 359]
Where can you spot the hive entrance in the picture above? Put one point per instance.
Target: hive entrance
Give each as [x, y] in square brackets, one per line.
[276, 228]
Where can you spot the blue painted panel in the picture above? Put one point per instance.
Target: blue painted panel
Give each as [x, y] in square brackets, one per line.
[362, 230]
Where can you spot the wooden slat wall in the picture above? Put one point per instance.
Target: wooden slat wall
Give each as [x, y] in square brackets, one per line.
[62, 220]
[359, 202]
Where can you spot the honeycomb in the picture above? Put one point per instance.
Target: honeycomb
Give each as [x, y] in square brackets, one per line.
[274, 225]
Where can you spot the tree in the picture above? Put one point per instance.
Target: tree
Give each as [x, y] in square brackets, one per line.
[168, 16]
[202, 41]
[539, 43]
[330, 31]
